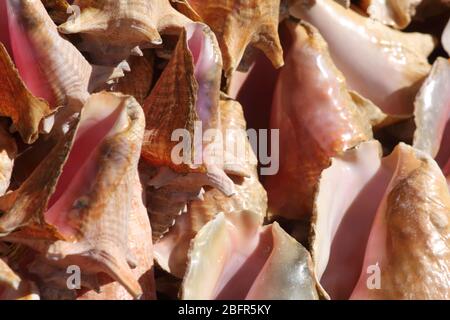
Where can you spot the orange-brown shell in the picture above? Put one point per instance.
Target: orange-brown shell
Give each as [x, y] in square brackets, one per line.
[24, 207]
[65, 69]
[138, 81]
[172, 105]
[119, 25]
[18, 103]
[140, 248]
[171, 251]
[100, 243]
[238, 24]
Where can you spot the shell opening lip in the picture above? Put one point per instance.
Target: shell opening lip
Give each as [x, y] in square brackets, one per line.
[364, 192]
[21, 49]
[4, 29]
[80, 168]
[245, 273]
[195, 41]
[202, 52]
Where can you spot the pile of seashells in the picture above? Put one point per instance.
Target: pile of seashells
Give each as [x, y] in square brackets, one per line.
[127, 170]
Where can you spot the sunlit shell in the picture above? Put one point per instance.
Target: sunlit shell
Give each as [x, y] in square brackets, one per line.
[232, 260]
[354, 40]
[401, 206]
[26, 204]
[187, 91]
[51, 67]
[377, 118]
[113, 28]
[432, 114]
[238, 24]
[140, 249]
[416, 251]
[90, 201]
[52, 279]
[224, 149]
[317, 119]
[396, 13]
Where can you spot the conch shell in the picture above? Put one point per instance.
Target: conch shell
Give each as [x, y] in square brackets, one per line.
[140, 246]
[113, 29]
[26, 111]
[171, 251]
[395, 13]
[187, 91]
[233, 260]
[354, 40]
[51, 67]
[401, 205]
[52, 279]
[432, 114]
[185, 98]
[77, 224]
[238, 24]
[317, 119]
